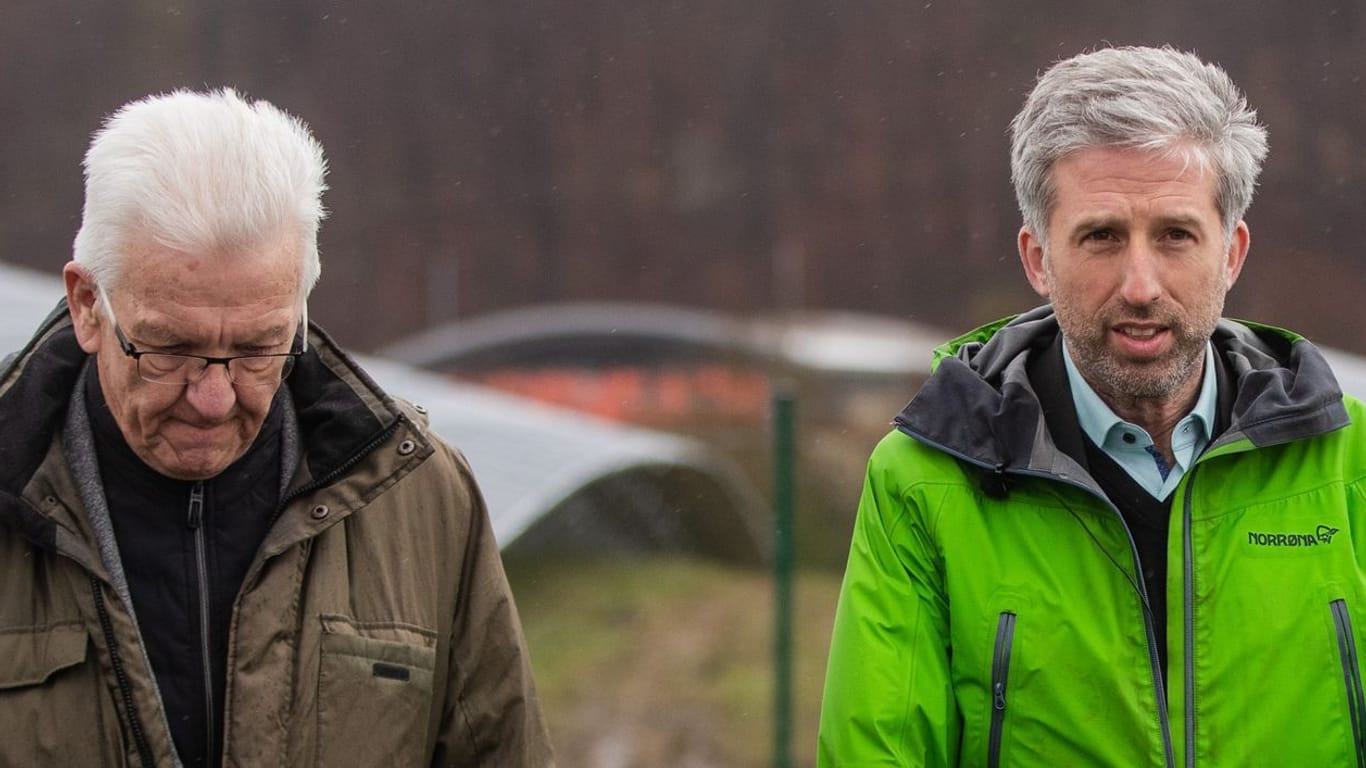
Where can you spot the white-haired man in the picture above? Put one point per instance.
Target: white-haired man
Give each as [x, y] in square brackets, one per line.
[220, 543]
[1116, 530]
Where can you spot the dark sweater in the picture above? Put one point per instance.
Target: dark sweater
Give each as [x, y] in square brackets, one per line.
[156, 539]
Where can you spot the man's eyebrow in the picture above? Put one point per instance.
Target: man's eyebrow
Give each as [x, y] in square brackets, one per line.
[157, 334]
[1183, 220]
[1101, 221]
[1093, 223]
[268, 337]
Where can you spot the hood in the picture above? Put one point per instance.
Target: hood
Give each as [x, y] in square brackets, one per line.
[980, 404]
[35, 385]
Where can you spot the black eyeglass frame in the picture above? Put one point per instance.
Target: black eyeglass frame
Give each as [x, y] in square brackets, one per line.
[290, 358]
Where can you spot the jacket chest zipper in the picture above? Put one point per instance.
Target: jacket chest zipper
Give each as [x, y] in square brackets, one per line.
[1351, 673]
[1000, 674]
[195, 520]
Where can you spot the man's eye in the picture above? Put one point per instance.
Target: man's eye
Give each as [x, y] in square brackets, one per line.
[257, 364]
[1180, 234]
[1099, 236]
[164, 363]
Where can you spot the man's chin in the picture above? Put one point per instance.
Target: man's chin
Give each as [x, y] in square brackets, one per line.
[1147, 379]
[193, 464]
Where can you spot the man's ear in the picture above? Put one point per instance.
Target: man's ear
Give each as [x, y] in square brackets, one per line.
[81, 298]
[1237, 254]
[1031, 256]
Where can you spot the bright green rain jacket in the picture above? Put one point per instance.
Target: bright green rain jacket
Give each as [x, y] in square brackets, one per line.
[991, 613]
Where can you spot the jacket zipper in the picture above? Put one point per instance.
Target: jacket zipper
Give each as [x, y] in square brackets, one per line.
[1188, 584]
[201, 563]
[1154, 662]
[1000, 673]
[120, 674]
[1351, 673]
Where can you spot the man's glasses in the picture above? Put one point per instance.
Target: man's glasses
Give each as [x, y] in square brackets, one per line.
[180, 370]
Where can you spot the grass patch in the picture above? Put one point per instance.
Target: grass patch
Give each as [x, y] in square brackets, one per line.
[667, 662]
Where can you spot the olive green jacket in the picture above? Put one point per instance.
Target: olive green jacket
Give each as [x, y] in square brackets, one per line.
[375, 626]
[992, 611]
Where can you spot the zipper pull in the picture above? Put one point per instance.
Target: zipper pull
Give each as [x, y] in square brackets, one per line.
[196, 516]
[998, 699]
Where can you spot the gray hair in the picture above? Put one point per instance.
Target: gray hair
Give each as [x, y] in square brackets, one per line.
[1150, 99]
[197, 172]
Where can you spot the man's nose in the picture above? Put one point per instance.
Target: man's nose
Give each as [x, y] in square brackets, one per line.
[212, 395]
[1141, 283]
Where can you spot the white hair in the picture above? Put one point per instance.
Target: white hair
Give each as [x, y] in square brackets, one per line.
[199, 172]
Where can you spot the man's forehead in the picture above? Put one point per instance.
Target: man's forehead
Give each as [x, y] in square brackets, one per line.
[285, 246]
[1097, 173]
[169, 297]
[227, 275]
[1177, 162]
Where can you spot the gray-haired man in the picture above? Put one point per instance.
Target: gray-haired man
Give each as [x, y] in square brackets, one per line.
[1115, 530]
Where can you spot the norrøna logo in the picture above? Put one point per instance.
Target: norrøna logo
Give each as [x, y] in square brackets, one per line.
[1321, 535]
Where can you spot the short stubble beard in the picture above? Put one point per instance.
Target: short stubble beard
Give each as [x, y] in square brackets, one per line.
[1159, 379]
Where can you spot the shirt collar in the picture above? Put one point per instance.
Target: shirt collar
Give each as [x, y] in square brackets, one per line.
[1097, 420]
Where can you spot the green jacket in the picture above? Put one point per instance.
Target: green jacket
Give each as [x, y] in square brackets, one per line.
[991, 612]
[375, 626]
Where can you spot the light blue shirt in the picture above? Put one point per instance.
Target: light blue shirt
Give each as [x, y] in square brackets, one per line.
[1131, 446]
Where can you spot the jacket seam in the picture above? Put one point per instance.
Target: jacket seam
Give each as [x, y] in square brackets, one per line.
[1282, 500]
[426, 632]
[305, 551]
[28, 629]
[468, 722]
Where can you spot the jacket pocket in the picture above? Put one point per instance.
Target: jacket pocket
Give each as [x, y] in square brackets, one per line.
[52, 707]
[374, 701]
[1351, 675]
[30, 657]
[1000, 678]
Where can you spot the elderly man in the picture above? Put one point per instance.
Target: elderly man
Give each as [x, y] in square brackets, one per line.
[1117, 530]
[220, 542]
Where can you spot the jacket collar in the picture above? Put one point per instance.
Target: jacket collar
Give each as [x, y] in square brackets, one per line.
[35, 385]
[982, 402]
[340, 412]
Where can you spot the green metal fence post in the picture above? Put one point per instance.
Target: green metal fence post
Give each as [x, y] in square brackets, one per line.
[784, 496]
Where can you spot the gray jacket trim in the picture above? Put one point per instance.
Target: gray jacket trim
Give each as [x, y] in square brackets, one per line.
[79, 444]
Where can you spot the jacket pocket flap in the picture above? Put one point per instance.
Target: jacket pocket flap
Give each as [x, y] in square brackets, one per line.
[31, 656]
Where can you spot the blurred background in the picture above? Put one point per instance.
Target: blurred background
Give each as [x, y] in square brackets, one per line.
[608, 232]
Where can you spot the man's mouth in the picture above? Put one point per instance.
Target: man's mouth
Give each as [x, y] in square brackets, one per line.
[1139, 333]
[1144, 340]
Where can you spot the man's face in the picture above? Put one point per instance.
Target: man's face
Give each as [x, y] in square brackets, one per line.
[213, 304]
[1136, 268]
